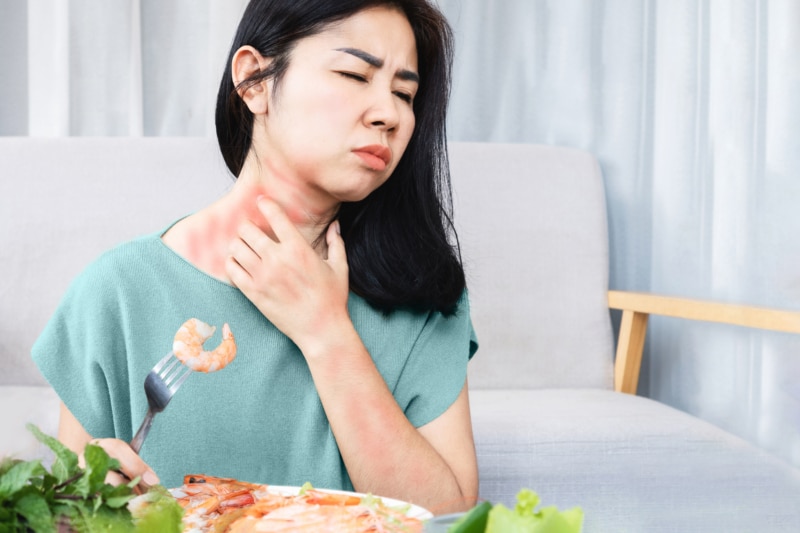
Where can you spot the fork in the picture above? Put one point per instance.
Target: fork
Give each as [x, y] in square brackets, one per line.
[160, 386]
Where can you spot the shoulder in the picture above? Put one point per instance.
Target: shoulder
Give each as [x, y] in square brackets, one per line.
[135, 250]
[405, 331]
[119, 266]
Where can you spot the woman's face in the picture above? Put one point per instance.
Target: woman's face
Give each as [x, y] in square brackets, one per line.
[343, 114]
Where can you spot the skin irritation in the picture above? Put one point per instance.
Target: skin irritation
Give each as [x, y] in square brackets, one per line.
[207, 241]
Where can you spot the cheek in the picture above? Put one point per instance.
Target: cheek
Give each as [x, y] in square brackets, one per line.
[403, 136]
[323, 108]
[410, 125]
[315, 127]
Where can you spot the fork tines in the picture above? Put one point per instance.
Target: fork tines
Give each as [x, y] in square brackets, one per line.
[169, 370]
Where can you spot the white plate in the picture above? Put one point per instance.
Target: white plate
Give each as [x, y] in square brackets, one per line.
[414, 511]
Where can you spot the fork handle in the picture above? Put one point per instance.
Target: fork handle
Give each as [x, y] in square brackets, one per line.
[144, 429]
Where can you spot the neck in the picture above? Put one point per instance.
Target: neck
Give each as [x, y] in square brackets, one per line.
[308, 209]
[204, 238]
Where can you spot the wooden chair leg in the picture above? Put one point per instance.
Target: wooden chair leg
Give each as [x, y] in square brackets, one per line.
[632, 332]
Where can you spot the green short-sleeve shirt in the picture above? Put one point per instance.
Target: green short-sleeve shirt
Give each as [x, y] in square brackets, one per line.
[259, 419]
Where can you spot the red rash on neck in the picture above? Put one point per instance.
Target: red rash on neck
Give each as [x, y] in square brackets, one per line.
[207, 243]
[203, 249]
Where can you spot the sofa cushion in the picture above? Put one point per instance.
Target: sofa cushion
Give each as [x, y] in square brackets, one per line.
[64, 201]
[532, 224]
[631, 463]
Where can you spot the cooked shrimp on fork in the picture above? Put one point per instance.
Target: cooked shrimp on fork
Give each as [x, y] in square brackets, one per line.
[188, 346]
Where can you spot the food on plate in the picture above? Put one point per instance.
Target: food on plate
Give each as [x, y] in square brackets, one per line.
[188, 346]
[224, 505]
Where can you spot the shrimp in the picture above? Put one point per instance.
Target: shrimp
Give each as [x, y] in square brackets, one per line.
[188, 346]
[219, 505]
[207, 499]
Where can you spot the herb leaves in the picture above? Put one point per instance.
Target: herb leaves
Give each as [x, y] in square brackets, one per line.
[75, 498]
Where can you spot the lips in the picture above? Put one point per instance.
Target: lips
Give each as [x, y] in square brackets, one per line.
[376, 156]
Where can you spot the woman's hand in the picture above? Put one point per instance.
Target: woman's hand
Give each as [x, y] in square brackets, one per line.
[72, 434]
[304, 295]
[131, 465]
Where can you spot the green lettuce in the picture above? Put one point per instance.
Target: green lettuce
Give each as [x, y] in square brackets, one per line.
[524, 518]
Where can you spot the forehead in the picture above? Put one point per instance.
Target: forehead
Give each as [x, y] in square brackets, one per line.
[381, 31]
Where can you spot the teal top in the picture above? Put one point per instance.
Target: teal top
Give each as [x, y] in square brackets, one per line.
[260, 418]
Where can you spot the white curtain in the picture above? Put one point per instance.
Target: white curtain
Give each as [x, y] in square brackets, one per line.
[115, 67]
[692, 106]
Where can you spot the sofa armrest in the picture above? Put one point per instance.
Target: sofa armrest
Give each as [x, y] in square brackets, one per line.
[636, 307]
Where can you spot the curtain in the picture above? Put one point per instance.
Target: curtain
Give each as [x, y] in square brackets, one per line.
[691, 106]
[116, 67]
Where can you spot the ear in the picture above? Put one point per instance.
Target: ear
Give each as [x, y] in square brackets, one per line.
[246, 62]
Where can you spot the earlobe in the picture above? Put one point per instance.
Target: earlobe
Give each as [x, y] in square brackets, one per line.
[247, 62]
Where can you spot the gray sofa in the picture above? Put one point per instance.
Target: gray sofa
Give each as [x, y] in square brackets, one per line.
[548, 395]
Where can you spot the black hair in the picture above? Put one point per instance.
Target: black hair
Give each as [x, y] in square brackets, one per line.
[402, 248]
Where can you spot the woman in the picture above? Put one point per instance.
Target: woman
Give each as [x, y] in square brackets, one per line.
[330, 259]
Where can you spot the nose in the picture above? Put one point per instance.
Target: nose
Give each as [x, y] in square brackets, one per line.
[382, 112]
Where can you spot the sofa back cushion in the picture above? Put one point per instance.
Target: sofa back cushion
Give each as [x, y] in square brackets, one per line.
[65, 201]
[532, 224]
[531, 220]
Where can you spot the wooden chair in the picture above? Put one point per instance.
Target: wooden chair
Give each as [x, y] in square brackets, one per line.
[637, 307]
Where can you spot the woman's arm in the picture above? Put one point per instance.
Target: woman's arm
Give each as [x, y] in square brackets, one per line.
[73, 435]
[306, 298]
[433, 466]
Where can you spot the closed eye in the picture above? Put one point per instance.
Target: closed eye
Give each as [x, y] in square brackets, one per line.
[353, 76]
[403, 96]
[407, 98]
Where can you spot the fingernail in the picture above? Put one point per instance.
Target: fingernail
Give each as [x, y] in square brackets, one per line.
[150, 478]
[337, 227]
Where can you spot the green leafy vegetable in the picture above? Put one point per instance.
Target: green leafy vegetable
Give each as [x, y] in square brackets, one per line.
[473, 521]
[525, 519]
[35, 500]
[157, 512]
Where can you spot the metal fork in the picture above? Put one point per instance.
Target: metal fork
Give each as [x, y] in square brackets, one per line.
[160, 386]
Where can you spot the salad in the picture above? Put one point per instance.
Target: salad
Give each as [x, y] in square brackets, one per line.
[524, 518]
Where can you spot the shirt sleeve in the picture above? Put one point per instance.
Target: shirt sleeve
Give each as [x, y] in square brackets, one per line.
[80, 352]
[436, 369]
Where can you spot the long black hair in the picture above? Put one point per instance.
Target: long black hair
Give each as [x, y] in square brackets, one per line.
[402, 248]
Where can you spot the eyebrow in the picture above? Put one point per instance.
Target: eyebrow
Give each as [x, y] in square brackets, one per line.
[403, 74]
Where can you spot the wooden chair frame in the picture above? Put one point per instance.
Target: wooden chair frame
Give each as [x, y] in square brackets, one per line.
[636, 308]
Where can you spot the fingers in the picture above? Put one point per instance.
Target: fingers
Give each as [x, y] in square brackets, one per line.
[278, 220]
[247, 253]
[251, 246]
[337, 256]
[131, 465]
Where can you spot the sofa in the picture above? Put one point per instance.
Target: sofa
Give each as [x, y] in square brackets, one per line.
[552, 391]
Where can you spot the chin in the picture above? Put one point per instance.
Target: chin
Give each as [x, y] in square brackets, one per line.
[352, 197]
[358, 193]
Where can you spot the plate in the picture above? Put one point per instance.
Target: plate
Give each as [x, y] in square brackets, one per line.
[442, 523]
[414, 511]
